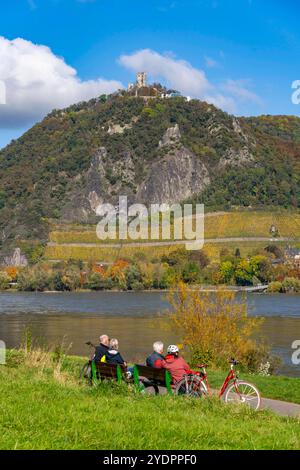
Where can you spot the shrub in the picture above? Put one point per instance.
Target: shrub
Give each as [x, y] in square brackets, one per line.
[275, 287]
[243, 273]
[291, 284]
[67, 280]
[4, 280]
[191, 272]
[259, 360]
[12, 272]
[226, 272]
[214, 327]
[199, 257]
[261, 268]
[148, 272]
[35, 279]
[133, 278]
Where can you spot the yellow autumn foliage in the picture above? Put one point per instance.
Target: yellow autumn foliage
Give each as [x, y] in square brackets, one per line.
[213, 326]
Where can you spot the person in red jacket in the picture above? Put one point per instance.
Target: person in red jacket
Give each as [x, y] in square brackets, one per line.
[175, 364]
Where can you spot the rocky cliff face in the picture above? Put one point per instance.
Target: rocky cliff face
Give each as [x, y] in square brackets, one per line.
[174, 178]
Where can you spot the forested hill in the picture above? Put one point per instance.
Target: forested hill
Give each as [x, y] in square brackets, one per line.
[162, 150]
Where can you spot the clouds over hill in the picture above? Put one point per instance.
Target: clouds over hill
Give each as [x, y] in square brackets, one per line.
[36, 81]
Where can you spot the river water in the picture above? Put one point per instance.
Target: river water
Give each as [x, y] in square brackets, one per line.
[74, 318]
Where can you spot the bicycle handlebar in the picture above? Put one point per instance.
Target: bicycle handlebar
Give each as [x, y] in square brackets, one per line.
[233, 362]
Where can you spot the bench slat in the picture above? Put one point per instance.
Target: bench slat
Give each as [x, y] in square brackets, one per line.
[157, 376]
[101, 370]
[151, 373]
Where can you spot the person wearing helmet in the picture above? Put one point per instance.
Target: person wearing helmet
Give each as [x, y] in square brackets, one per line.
[175, 364]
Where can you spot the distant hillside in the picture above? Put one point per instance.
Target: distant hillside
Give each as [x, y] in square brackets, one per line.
[160, 150]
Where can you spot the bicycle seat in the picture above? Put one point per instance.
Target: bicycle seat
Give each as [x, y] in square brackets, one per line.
[200, 366]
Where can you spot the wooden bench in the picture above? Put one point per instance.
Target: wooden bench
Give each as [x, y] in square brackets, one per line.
[143, 376]
[151, 377]
[102, 371]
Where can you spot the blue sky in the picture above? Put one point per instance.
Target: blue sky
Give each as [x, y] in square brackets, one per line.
[242, 55]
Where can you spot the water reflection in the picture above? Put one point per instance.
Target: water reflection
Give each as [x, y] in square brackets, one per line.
[77, 318]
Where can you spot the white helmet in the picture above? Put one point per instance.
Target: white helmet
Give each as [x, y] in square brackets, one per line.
[172, 349]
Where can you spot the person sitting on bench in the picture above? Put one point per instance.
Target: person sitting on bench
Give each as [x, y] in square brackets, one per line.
[175, 364]
[156, 357]
[112, 355]
[101, 350]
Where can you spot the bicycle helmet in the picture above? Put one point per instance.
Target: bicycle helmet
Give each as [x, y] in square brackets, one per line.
[172, 349]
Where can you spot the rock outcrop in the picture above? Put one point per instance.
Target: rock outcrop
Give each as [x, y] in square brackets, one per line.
[174, 178]
[171, 136]
[17, 259]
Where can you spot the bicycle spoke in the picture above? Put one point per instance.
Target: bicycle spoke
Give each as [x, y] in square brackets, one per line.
[243, 393]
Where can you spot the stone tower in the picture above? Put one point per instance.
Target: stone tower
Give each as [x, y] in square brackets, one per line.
[141, 79]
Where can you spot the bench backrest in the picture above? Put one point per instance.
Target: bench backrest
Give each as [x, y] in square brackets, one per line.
[157, 376]
[151, 373]
[101, 370]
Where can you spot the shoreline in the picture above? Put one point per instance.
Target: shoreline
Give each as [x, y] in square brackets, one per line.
[236, 289]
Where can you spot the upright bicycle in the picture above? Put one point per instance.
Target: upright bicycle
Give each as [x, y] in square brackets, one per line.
[233, 390]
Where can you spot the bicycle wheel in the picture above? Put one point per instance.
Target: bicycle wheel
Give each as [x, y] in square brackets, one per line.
[190, 386]
[86, 373]
[244, 393]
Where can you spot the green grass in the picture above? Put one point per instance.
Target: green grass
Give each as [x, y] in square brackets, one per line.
[45, 407]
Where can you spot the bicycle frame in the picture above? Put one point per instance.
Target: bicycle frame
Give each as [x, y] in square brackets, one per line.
[231, 376]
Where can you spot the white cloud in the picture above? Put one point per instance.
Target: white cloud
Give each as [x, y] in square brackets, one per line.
[210, 62]
[189, 80]
[227, 103]
[177, 74]
[240, 90]
[36, 81]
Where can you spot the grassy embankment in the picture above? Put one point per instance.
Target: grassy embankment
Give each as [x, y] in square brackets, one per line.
[228, 225]
[44, 406]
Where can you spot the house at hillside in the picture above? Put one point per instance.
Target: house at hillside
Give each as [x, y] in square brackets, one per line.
[293, 256]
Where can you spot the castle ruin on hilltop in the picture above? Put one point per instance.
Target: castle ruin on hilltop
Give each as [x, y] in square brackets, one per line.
[141, 89]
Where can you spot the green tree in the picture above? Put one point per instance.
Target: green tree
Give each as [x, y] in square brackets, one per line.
[243, 273]
[227, 271]
[4, 280]
[190, 273]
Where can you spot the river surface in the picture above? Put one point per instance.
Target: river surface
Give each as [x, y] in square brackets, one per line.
[74, 318]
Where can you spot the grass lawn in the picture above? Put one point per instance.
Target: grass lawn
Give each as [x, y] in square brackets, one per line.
[44, 406]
